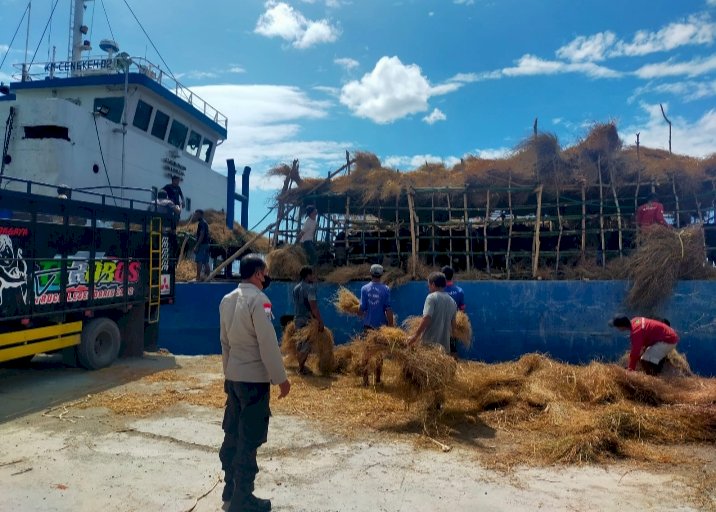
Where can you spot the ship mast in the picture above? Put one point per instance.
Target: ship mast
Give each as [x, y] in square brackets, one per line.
[77, 31]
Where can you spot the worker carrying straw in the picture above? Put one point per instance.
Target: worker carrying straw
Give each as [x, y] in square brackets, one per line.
[651, 342]
[458, 295]
[439, 314]
[305, 309]
[377, 312]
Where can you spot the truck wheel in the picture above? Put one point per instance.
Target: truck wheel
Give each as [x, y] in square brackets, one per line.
[99, 345]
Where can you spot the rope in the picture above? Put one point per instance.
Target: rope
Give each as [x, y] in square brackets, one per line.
[107, 18]
[101, 153]
[13, 36]
[52, 13]
[264, 218]
[149, 38]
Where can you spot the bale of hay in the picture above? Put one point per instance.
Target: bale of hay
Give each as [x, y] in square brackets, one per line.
[286, 262]
[663, 257]
[321, 344]
[288, 342]
[343, 358]
[463, 329]
[346, 302]
[185, 271]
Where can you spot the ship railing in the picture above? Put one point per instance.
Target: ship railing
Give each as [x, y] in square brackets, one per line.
[97, 65]
[125, 197]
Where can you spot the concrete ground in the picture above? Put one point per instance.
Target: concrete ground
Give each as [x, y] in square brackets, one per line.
[58, 456]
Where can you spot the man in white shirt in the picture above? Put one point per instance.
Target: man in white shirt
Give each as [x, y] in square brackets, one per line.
[252, 362]
[308, 233]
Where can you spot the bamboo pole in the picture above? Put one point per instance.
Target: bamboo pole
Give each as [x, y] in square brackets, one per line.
[619, 210]
[536, 241]
[676, 195]
[397, 226]
[484, 232]
[432, 225]
[449, 203]
[413, 237]
[601, 212]
[561, 230]
[236, 254]
[583, 247]
[698, 208]
[638, 186]
[508, 267]
[467, 232]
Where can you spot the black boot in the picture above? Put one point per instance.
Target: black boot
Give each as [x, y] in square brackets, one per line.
[249, 503]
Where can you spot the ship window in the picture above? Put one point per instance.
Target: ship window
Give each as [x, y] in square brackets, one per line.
[177, 135]
[161, 122]
[194, 143]
[47, 131]
[206, 148]
[109, 108]
[142, 115]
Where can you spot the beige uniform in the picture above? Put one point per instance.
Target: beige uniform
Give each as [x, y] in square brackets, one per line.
[249, 347]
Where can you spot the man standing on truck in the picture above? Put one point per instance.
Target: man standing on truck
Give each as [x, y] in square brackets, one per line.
[201, 248]
[174, 192]
[252, 362]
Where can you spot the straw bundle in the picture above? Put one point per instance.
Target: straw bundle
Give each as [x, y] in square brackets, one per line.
[221, 235]
[343, 358]
[347, 303]
[663, 257]
[346, 274]
[321, 345]
[185, 270]
[463, 329]
[288, 342]
[675, 365]
[286, 262]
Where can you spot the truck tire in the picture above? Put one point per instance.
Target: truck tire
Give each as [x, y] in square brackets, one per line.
[99, 344]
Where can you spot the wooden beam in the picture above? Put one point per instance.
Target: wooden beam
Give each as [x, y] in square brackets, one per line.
[535, 240]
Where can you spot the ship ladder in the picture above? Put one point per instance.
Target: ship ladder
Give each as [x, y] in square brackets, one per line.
[155, 269]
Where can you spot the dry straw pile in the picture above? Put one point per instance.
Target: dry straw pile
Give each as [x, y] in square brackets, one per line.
[222, 235]
[286, 262]
[462, 331]
[663, 257]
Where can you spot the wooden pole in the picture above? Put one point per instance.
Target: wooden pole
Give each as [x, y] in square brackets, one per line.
[484, 232]
[413, 237]
[280, 210]
[698, 208]
[676, 197]
[508, 267]
[432, 224]
[449, 203]
[397, 226]
[638, 187]
[669, 122]
[583, 247]
[561, 230]
[231, 258]
[601, 212]
[535, 240]
[618, 207]
[467, 231]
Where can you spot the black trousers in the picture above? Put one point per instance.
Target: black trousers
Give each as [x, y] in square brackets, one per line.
[246, 420]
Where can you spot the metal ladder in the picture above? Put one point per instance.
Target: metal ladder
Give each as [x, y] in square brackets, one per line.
[155, 269]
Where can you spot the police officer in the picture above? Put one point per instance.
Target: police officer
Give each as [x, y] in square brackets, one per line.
[252, 362]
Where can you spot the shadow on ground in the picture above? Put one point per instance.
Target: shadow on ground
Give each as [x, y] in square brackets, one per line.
[46, 382]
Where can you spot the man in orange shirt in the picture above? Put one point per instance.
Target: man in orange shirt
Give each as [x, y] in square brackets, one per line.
[651, 341]
[650, 213]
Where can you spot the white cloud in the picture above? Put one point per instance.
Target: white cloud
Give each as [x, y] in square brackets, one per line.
[265, 129]
[694, 67]
[196, 75]
[587, 48]
[4, 48]
[435, 116]
[282, 20]
[694, 30]
[331, 91]
[697, 138]
[493, 153]
[711, 2]
[464, 2]
[347, 63]
[394, 90]
[528, 65]
[413, 162]
[236, 69]
[689, 90]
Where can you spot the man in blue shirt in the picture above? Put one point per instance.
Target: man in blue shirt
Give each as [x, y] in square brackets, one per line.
[458, 296]
[375, 305]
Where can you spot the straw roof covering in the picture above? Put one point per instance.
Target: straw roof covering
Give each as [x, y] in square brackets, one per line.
[537, 159]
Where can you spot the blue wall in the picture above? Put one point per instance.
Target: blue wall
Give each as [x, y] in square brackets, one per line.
[565, 319]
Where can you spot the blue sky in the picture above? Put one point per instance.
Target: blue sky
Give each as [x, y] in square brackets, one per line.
[417, 80]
